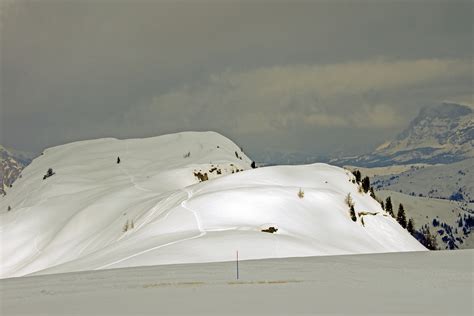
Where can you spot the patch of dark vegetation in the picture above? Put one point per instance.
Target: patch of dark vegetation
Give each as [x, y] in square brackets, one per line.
[366, 184]
[352, 213]
[457, 196]
[366, 213]
[49, 173]
[426, 238]
[201, 176]
[270, 230]
[301, 194]
[357, 175]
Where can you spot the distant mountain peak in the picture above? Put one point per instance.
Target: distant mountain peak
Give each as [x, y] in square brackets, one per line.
[445, 110]
[11, 165]
[443, 133]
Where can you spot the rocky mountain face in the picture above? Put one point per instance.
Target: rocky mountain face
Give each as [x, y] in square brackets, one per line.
[11, 164]
[439, 134]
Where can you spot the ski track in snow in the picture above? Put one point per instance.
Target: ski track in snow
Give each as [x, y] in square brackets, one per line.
[183, 204]
[147, 250]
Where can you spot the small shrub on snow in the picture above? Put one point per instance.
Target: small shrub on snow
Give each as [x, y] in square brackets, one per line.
[128, 226]
[201, 176]
[48, 174]
[270, 230]
[301, 194]
[352, 213]
[125, 226]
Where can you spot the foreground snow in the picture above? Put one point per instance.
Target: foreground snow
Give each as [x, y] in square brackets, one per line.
[152, 208]
[413, 283]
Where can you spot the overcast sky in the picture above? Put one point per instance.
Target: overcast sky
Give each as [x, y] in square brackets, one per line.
[315, 76]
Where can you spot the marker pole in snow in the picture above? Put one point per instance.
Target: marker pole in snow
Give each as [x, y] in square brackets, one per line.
[237, 264]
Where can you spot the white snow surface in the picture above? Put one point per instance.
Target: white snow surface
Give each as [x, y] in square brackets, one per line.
[151, 209]
[409, 283]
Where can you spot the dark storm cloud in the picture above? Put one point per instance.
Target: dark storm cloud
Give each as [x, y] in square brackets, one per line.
[294, 71]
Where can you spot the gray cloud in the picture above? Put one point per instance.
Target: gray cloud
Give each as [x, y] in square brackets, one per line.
[255, 71]
[268, 100]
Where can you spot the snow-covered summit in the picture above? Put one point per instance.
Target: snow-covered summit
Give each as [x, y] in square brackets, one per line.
[186, 197]
[442, 131]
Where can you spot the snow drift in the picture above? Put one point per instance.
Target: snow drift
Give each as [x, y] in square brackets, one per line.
[180, 198]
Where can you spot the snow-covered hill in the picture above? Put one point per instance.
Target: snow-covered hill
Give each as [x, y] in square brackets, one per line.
[439, 134]
[450, 182]
[180, 198]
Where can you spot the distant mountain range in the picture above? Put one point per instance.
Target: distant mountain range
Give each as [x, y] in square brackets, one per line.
[11, 164]
[439, 134]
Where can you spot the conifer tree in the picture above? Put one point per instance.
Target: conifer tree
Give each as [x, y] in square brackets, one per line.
[357, 175]
[389, 207]
[372, 193]
[366, 184]
[401, 217]
[411, 226]
[429, 239]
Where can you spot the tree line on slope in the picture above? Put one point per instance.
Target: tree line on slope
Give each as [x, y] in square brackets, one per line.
[424, 236]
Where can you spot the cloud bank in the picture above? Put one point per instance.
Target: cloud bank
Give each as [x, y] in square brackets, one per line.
[351, 95]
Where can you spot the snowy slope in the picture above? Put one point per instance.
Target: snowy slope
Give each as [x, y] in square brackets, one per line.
[451, 181]
[410, 283]
[433, 195]
[443, 217]
[152, 208]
